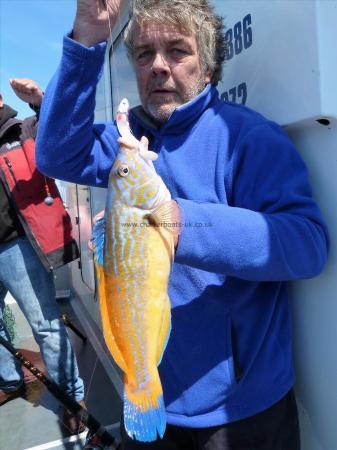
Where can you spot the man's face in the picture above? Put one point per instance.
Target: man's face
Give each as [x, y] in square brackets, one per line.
[167, 67]
[1, 101]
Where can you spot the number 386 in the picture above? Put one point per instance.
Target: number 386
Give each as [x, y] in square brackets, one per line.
[239, 37]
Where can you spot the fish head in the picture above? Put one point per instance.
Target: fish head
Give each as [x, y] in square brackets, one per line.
[133, 177]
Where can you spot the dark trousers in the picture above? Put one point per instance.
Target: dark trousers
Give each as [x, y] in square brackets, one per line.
[273, 429]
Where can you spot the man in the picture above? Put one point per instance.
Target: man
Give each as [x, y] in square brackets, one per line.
[227, 371]
[35, 237]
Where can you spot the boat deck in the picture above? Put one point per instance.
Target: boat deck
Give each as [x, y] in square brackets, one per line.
[32, 423]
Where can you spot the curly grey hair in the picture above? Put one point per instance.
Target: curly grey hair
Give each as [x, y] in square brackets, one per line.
[197, 16]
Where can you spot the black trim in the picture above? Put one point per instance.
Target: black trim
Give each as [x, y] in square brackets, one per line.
[237, 368]
[141, 115]
[60, 257]
[10, 168]
[8, 125]
[9, 147]
[35, 108]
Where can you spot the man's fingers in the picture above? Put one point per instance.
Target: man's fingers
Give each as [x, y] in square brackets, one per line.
[91, 245]
[144, 141]
[27, 90]
[24, 86]
[98, 216]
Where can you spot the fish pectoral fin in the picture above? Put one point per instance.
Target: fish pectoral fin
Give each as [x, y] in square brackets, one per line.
[165, 229]
[98, 237]
[165, 330]
[162, 215]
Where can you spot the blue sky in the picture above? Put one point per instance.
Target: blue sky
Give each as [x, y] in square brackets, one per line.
[31, 33]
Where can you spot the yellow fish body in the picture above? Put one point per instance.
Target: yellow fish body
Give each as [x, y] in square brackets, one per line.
[133, 256]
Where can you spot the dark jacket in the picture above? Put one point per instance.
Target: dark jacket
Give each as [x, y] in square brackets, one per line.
[23, 190]
[10, 226]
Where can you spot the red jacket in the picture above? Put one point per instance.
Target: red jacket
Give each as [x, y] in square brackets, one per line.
[48, 228]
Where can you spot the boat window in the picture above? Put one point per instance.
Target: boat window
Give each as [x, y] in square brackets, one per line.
[102, 101]
[123, 79]
[85, 229]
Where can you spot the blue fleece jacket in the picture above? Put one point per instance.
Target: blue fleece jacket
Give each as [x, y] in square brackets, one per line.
[250, 224]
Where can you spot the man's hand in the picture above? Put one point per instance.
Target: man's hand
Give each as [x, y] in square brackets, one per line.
[95, 19]
[27, 90]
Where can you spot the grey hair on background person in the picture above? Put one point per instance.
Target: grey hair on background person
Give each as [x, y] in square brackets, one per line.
[195, 16]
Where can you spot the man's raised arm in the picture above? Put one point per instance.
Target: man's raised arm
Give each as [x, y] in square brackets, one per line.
[69, 146]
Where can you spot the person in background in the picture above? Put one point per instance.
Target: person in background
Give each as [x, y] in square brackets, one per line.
[249, 223]
[35, 238]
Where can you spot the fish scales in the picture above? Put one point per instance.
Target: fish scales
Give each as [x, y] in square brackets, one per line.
[135, 283]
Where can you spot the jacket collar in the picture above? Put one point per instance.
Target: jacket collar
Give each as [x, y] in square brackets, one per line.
[181, 118]
[7, 125]
[6, 112]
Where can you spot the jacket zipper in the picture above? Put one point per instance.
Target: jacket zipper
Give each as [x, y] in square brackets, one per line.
[10, 167]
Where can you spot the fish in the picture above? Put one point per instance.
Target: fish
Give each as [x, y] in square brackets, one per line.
[133, 254]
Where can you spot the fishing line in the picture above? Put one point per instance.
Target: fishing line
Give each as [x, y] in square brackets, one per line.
[116, 76]
[113, 64]
[88, 390]
[105, 5]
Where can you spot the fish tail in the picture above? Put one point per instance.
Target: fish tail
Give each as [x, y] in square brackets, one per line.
[144, 411]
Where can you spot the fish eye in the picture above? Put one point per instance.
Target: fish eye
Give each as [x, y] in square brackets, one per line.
[123, 171]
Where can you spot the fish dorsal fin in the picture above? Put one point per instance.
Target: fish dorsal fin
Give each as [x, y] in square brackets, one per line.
[98, 237]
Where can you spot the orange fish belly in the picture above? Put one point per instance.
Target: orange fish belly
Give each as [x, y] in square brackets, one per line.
[135, 311]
